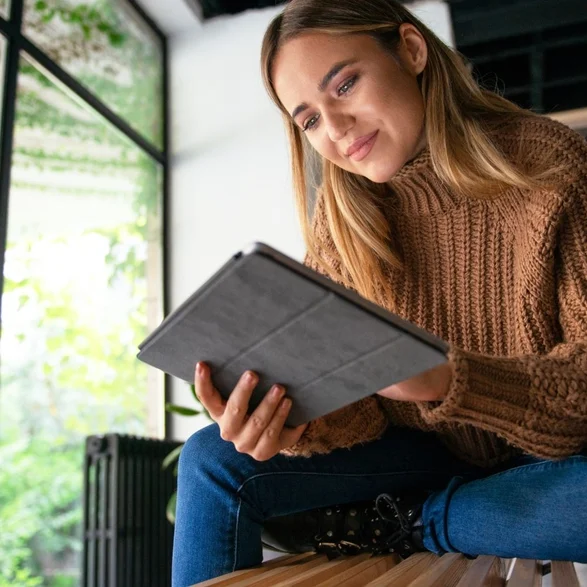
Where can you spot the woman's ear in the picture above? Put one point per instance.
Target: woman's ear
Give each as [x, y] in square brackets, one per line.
[413, 48]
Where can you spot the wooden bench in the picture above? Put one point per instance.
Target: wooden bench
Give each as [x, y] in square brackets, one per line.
[419, 570]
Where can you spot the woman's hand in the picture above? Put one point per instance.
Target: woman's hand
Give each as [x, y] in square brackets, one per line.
[261, 434]
[432, 385]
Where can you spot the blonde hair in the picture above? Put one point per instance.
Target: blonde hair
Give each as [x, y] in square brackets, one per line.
[458, 115]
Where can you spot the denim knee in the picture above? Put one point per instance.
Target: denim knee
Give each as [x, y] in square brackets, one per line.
[202, 450]
[201, 445]
[206, 457]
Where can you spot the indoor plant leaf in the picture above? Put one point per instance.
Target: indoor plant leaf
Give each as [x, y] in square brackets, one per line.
[182, 410]
[171, 457]
[170, 509]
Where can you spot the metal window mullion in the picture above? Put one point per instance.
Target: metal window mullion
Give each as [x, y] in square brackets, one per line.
[166, 224]
[150, 22]
[165, 208]
[7, 28]
[8, 115]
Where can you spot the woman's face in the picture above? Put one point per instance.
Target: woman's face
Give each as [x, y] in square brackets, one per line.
[358, 107]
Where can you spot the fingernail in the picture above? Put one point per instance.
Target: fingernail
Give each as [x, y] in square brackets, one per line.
[276, 391]
[250, 377]
[199, 369]
[285, 404]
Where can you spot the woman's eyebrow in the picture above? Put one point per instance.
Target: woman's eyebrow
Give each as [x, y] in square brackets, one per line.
[325, 81]
[333, 71]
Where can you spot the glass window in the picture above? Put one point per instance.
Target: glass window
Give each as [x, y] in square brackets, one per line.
[82, 287]
[106, 46]
[4, 8]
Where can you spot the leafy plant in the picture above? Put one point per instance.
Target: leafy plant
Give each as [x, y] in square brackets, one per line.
[173, 456]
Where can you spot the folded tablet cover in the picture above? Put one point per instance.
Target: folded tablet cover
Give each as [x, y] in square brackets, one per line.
[257, 314]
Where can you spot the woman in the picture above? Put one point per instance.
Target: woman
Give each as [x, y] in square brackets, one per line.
[464, 214]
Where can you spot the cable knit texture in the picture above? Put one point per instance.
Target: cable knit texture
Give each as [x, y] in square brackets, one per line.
[504, 282]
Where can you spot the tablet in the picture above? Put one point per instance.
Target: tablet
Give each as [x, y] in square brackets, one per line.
[263, 311]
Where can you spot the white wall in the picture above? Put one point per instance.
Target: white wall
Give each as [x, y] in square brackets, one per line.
[230, 172]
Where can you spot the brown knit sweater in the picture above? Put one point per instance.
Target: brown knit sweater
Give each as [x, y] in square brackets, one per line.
[504, 282]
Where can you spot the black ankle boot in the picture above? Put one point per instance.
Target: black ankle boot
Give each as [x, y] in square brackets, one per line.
[390, 523]
[387, 524]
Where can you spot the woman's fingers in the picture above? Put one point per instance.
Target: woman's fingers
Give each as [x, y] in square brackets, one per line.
[235, 414]
[259, 420]
[276, 436]
[207, 393]
[261, 434]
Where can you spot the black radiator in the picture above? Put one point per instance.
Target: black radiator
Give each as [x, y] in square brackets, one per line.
[127, 537]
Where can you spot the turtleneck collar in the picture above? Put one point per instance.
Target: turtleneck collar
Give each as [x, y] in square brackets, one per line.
[416, 189]
[422, 158]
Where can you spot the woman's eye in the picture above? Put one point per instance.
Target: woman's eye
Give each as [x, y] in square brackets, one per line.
[311, 123]
[347, 85]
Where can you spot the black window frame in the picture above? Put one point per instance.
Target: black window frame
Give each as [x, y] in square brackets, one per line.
[16, 43]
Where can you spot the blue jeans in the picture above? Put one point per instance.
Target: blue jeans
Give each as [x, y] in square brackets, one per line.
[528, 508]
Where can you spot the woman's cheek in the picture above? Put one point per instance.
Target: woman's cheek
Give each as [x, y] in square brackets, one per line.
[326, 149]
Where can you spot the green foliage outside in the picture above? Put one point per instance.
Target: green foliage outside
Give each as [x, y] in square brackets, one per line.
[74, 302]
[107, 51]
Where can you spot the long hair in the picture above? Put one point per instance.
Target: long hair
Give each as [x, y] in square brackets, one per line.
[458, 117]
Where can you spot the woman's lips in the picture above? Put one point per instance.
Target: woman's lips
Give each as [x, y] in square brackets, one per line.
[362, 147]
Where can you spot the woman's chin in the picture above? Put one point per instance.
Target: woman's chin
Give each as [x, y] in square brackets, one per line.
[380, 173]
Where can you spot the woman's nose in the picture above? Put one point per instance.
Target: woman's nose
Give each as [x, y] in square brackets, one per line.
[337, 124]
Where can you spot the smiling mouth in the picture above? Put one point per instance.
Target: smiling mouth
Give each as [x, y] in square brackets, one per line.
[362, 147]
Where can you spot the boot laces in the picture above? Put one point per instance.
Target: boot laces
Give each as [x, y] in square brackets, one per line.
[385, 502]
[389, 510]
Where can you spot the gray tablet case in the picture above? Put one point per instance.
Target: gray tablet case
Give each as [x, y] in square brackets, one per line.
[264, 311]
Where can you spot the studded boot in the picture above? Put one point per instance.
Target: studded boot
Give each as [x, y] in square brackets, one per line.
[390, 523]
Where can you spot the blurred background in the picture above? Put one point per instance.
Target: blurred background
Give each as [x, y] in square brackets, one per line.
[138, 152]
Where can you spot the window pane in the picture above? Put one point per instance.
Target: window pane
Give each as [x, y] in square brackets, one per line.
[4, 7]
[82, 287]
[108, 48]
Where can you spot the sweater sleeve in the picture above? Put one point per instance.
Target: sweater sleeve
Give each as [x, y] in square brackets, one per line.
[535, 402]
[359, 422]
